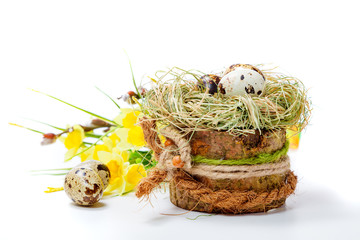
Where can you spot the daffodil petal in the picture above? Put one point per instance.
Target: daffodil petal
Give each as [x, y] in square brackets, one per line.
[75, 137]
[70, 153]
[87, 155]
[118, 186]
[125, 156]
[128, 117]
[123, 134]
[114, 138]
[119, 118]
[104, 156]
[129, 187]
[135, 173]
[136, 137]
[108, 143]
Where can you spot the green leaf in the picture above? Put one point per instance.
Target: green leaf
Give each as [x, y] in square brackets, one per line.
[108, 97]
[87, 134]
[143, 157]
[92, 135]
[47, 124]
[50, 171]
[52, 174]
[132, 74]
[30, 129]
[90, 113]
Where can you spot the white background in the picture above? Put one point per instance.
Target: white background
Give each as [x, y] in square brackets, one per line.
[65, 48]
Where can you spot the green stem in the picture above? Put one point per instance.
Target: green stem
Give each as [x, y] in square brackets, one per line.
[30, 129]
[133, 77]
[108, 97]
[55, 127]
[92, 135]
[53, 174]
[90, 113]
[66, 130]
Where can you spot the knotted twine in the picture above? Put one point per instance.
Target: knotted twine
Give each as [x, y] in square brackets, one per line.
[229, 201]
[163, 155]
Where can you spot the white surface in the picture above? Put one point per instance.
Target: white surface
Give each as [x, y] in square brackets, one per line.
[64, 48]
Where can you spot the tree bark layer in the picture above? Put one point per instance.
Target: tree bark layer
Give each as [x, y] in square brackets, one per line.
[222, 145]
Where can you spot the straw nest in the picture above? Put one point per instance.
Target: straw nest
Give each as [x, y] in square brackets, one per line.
[175, 100]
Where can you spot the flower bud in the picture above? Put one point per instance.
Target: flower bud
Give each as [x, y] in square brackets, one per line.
[48, 138]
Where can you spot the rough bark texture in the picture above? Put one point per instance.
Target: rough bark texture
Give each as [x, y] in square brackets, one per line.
[180, 198]
[221, 145]
[258, 184]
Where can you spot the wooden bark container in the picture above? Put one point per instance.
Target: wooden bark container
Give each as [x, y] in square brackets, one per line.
[221, 145]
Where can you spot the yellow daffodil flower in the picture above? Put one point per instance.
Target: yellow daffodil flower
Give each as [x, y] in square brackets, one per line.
[132, 138]
[294, 137]
[73, 141]
[117, 180]
[134, 174]
[97, 149]
[86, 155]
[131, 135]
[128, 117]
[75, 137]
[123, 134]
[136, 137]
[108, 144]
[117, 162]
[111, 141]
[114, 139]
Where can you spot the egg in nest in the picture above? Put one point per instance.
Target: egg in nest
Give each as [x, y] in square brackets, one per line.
[209, 82]
[241, 80]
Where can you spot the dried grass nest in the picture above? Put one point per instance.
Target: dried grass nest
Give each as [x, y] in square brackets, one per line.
[175, 100]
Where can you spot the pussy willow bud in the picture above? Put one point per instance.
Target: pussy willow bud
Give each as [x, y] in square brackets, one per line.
[99, 123]
[48, 138]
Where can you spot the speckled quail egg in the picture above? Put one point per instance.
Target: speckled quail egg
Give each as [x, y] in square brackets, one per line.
[209, 81]
[84, 186]
[242, 79]
[239, 65]
[101, 169]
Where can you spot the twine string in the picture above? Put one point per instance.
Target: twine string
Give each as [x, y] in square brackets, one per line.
[232, 201]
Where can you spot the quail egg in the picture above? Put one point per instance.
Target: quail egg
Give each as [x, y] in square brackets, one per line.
[239, 65]
[241, 80]
[84, 186]
[209, 81]
[101, 169]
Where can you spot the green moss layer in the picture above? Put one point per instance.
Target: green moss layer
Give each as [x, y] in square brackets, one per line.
[259, 159]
